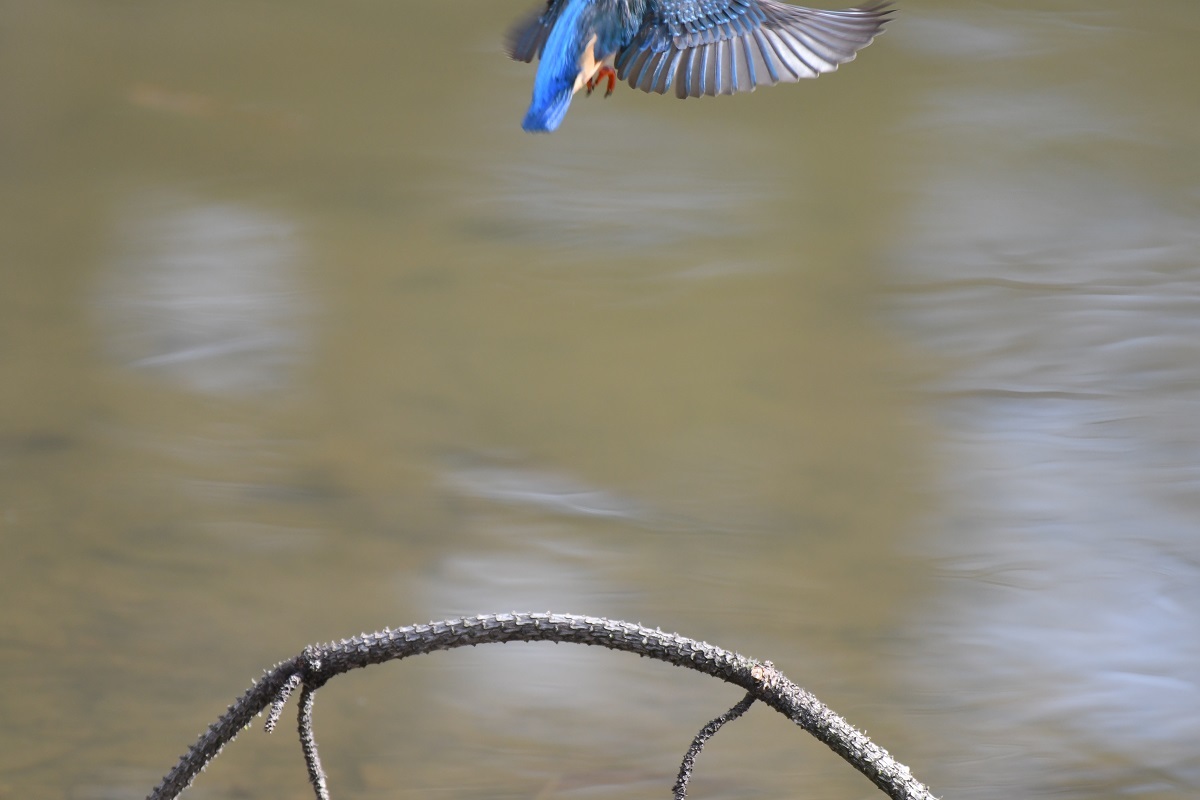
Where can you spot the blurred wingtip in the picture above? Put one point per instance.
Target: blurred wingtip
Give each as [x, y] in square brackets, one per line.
[526, 38]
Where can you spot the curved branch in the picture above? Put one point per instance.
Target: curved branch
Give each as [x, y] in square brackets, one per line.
[317, 664]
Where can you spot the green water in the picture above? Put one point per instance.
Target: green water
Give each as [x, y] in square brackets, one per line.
[890, 377]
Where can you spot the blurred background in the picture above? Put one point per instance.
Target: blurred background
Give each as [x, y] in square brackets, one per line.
[892, 378]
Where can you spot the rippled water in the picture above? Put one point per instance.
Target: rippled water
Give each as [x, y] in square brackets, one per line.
[890, 377]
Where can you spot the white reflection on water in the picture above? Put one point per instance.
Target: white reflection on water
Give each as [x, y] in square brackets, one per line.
[543, 565]
[1064, 295]
[537, 490]
[204, 295]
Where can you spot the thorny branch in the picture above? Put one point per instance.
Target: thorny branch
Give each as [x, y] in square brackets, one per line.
[318, 663]
[706, 733]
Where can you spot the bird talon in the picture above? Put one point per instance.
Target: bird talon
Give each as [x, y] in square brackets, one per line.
[605, 73]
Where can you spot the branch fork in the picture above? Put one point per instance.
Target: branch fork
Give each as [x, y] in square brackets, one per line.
[317, 664]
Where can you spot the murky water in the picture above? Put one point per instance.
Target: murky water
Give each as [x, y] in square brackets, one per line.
[892, 378]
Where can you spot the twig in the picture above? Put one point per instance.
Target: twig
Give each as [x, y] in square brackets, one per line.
[316, 775]
[280, 701]
[317, 664]
[706, 733]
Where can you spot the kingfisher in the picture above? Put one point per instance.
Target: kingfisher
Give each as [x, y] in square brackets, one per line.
[695, 47]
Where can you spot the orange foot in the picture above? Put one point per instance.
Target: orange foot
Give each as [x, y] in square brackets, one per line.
[604, 73]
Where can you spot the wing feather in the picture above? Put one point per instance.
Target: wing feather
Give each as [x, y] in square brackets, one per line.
[711, 47]
[664, 79]
[527, 37]
[525, 43]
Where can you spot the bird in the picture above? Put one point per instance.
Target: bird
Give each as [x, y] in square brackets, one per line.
[696, 47]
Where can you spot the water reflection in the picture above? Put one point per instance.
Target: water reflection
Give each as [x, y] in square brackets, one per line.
[548, 567]
[205, 295]
[666, 314]
[537, 490]
[1065, 300]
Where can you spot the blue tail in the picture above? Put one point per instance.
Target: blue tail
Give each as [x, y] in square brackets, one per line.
[559, 67]
[546, 114]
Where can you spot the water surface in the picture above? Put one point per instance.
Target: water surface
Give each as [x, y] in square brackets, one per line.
[890, 377]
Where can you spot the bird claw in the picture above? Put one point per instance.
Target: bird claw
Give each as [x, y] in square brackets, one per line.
[604, 73]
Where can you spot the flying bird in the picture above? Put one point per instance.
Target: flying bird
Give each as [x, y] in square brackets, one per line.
[695, 47]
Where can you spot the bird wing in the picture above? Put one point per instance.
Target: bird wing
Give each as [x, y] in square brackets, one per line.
[710, 47]
[527, 38]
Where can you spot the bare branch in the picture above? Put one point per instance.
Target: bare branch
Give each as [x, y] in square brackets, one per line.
[317, 664]
[706, 733]
[280, 701]
[316, 775]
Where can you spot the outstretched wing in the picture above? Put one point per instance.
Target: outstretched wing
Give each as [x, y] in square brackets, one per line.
[527, 38]
[710, 47]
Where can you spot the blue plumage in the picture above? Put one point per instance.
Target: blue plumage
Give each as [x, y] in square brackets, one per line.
[559, 69]
[696, 47]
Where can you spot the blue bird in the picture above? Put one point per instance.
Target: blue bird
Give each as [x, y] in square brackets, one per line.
[697, 47]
